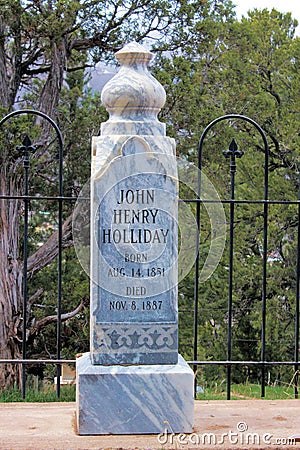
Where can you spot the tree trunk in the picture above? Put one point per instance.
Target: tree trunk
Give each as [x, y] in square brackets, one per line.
[3, 69]
[10, 284]
[52, 88]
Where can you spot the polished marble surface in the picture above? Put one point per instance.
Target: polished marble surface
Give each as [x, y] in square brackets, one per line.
[145, 399]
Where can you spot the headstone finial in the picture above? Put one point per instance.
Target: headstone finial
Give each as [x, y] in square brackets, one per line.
[133, 97]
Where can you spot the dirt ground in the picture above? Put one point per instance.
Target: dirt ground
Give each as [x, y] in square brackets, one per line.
[236, 424]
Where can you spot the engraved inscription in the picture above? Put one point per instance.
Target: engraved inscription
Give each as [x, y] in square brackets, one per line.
[139, 196]
[138, 246]
[136, 257]
[134, 236]
[146, 305]
[136, 291]
[131, 216]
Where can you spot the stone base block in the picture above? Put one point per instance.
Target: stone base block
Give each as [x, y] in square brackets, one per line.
[146, 399]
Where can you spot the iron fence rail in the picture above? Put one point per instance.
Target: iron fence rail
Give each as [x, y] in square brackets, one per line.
[197, 363]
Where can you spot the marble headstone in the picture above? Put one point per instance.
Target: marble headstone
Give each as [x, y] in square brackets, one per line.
[132, 381]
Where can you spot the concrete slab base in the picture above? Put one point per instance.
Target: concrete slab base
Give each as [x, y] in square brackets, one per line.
[142, 399]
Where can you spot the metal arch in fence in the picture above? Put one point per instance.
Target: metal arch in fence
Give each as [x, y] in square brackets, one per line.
[25, 149]
[232, 153]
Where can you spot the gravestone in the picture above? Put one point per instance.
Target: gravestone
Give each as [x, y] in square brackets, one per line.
[133, 381]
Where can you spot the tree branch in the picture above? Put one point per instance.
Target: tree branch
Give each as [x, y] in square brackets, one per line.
[35, 296]
[34, 56]
[42, 323]
[94, 41]
[49, 251]
[44, 69]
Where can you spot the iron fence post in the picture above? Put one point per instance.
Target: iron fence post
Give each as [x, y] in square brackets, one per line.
[231, 153]
[25, 150]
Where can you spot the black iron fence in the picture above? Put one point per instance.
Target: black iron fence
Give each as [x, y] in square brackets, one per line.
[231, 154]
[26, 149]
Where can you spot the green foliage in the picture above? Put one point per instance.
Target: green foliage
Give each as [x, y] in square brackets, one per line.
[249, 67]
[217, 391]
[46, 393]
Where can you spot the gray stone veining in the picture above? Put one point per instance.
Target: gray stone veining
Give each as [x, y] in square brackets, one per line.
[135, 399]
[133, 381]
[134, 261]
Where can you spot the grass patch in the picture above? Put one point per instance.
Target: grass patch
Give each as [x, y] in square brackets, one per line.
[45, 394]
[246, 392]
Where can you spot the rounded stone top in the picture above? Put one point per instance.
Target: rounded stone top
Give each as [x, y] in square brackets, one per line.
[132, 53]
[133, 96]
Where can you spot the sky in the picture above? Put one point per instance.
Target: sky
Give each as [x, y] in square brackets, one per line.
[293, 6]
